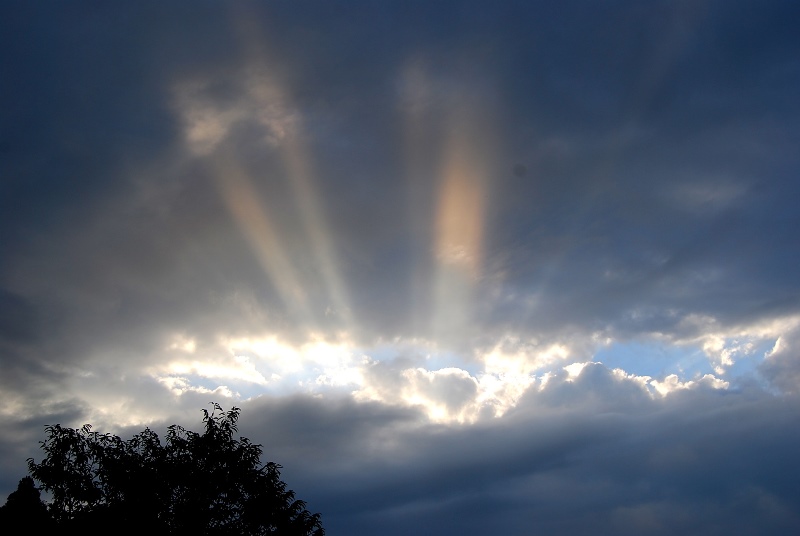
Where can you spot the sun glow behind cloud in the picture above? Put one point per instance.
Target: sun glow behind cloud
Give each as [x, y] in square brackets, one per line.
[449, 162]
[463, 387]
[244, 367]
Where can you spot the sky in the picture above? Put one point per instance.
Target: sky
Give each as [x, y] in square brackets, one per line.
[467, 267]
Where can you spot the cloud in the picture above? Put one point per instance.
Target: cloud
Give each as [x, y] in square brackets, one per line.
[620, 457]
[447, 394]
[781, 366]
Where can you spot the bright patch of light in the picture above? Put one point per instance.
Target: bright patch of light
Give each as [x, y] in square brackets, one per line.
[317, 361]
[183, 344]
[238, 368]
[643, 381]
[574, 370]
[502, 392]
[725, 346]
[445, 395]
[446, 387]
[723, 352]
[776, 348]
[178, 386]
[672, 383]
[512, 356]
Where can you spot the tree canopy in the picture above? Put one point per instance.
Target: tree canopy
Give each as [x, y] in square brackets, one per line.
[25, 508]
[209, 483]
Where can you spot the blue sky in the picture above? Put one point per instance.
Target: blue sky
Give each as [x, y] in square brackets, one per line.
[465, 267]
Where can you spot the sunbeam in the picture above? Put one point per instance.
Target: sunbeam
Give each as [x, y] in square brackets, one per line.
[262, 102]
[298, 161]
[241, 199]
[461, 217]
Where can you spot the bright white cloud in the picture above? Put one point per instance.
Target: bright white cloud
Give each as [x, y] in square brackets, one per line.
[511, 355]
[574, 370]
[724, 345]
[673, 383]
[179, 385]
[246, 366]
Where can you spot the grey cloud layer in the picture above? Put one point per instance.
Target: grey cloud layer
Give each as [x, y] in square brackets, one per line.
[701, 461]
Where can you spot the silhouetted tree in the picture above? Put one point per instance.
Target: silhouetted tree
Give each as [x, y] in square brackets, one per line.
[195, 483]
[24, 511]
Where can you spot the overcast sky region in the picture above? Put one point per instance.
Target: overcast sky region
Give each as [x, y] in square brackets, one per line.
[468, 267]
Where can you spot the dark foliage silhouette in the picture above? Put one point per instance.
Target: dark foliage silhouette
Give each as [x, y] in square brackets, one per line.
[24, 511]
[195, 483]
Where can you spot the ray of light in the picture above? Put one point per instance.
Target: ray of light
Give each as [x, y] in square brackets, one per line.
[267, 93]
[448, 148]
[262, 102]
[298, 160]
[240, 197]
[415, 95]
[460, 222]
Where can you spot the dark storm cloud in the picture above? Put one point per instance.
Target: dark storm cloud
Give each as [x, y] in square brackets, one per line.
[22, 431]
[701, 460]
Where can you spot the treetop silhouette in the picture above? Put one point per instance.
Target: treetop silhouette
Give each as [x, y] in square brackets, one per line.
[25, 508]
[209, 483]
